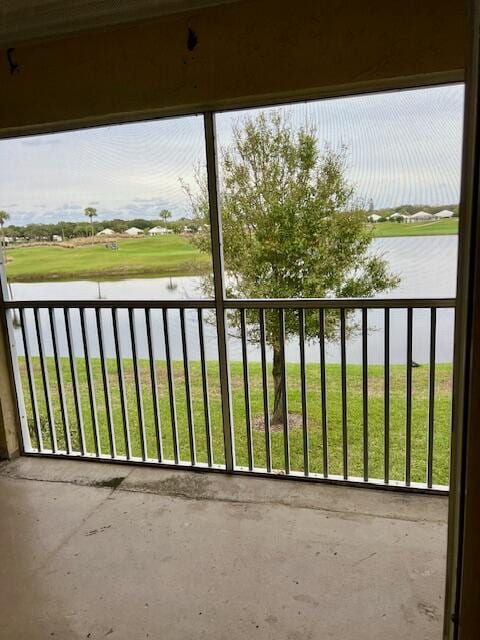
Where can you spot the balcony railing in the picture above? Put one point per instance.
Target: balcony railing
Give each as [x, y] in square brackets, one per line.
[365, 393]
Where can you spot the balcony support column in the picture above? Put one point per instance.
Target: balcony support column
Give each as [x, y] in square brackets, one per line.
[219, 286]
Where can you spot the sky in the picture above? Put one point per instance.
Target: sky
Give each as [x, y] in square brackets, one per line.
[403, 147]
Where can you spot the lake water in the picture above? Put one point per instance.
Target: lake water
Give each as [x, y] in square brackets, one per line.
[427, 267]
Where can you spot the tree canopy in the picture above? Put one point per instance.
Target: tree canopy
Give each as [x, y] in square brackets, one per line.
[4, 216]
[165, 215]
[90, 212]
[292, 227]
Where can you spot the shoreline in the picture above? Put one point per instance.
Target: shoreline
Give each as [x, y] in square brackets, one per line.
[198, 267]
[111, 276]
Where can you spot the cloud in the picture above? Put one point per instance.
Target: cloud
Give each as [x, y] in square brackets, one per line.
[146, 200]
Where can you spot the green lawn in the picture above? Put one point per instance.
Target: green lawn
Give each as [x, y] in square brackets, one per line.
[158, 256]
[333, 397]
[436, 228]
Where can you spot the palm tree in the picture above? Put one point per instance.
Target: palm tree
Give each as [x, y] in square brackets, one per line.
[3, 217]
[165, 215]
[91, 213]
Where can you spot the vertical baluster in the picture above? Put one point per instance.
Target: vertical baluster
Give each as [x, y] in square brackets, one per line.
[154, 385]
[286, 434]
[91, 392]
[365, 391]
[45, 380]
[408, 418]
[431, 397]
[206, 401]
[31, 381]
[386, 398]
[266, 409]
[121, 385]
[171, 387]
[106, 383]
[303, 384]
[343, 358]
[138, 384]
[72, 358]
[323, 388]
[188, 393]
[246, 389]
[61, 386]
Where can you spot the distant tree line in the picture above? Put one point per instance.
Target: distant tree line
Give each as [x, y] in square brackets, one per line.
[37, 232]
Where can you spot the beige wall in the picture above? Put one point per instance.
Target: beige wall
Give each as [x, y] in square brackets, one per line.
[256, 50]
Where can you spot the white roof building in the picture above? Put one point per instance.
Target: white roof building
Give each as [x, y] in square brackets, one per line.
[396, 216]
[421, 215]
[106, 232]
[445, 213]
[374, 217]
[133, 231]
[56, 238]
[158, 231]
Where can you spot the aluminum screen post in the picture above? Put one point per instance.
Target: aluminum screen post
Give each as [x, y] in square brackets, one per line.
[219, 287]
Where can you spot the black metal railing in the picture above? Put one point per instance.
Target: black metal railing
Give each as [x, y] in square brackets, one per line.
[360, 389]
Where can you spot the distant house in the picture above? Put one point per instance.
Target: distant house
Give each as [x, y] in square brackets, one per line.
[133, 231]
[374, 218]
[106, 232]
[56, 238]
[397, 216]
[158, 231]
[445, 213]
[419, 216]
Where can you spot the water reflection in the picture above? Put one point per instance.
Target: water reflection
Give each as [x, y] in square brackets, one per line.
[426, 265]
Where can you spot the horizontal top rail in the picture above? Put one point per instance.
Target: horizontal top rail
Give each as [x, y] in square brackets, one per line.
[109, 304]
[338, 303]
[240, 303]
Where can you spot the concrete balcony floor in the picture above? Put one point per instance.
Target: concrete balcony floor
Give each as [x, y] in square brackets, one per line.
[92, 550]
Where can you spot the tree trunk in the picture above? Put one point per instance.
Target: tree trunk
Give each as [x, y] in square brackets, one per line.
[278, 413]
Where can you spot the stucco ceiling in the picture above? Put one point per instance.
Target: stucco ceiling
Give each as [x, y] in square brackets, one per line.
[26, 20]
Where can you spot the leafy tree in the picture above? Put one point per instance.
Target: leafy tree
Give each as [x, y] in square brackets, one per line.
[91, 213]
[141, 223]
[13, 231]
[165, 215]
[291, 228]
[4, 216]
[117, 225]
[80, 230]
